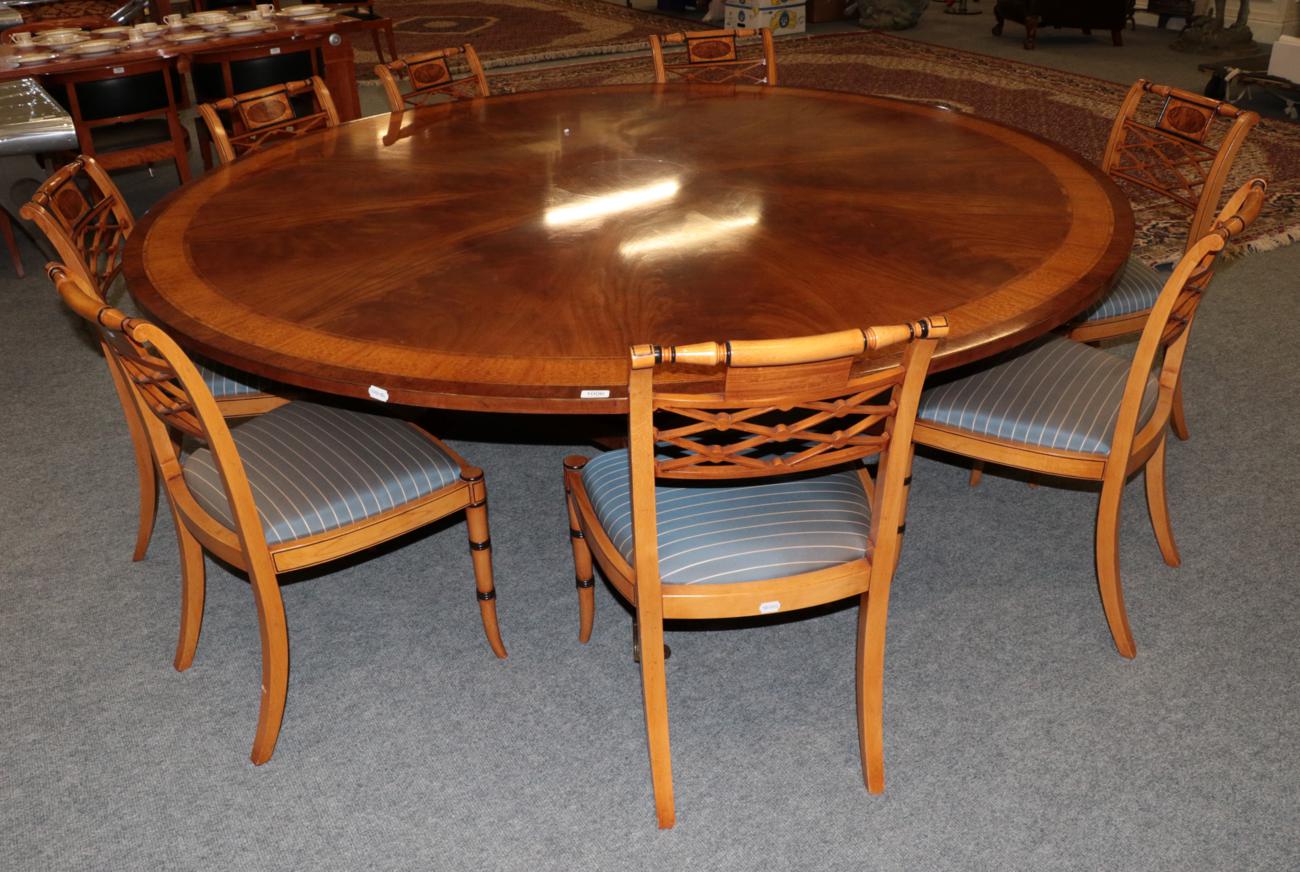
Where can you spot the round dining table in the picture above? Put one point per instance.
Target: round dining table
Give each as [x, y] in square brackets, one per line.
[502, 254]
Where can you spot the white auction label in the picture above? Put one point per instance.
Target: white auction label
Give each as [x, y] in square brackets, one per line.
[768, 607]
[378, 393]
[594, 395]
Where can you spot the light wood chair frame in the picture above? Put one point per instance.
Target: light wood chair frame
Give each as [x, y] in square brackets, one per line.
[251, 134]
[226, 60]
[1134, 149]
[434, 68]
[713, 56]
[811, 374]
[173, 402]
[1160, 349]
[87, 221]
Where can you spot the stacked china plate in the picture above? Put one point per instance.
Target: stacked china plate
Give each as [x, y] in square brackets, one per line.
[307, 12]
[210, 20]
[302, 9]
[246, 25]
[61, 38]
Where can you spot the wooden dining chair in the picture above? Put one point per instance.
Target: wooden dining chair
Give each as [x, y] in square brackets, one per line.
[431, 77]
[268, 116]
[300, 486]
[771, 457]
[713, 56]
[1184, 153]
[83, 215]
[126, 115]
[223, 73]
[1063, 408]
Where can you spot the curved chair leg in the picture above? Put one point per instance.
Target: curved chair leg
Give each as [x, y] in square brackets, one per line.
[480, 549]
[870, 693]
[275, 662]
[1178, 416]
[1107, 553]
[193, 590]
[146, 476]
[1158, 506]
[654, 687]
[583, 571]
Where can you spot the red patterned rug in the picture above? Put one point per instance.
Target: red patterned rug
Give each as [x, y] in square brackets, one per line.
[1064, 107]
[527, 30]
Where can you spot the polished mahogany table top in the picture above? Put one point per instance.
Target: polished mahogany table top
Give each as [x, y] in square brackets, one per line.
[503, 254]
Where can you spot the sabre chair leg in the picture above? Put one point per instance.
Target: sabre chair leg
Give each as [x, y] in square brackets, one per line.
[480, 547]
[7, 231]
[275, 661]
[1178, 415]
[870, 691]
[1107, 555]
[193, 592]
[1158, 506]
[583, 571]
[655, 689]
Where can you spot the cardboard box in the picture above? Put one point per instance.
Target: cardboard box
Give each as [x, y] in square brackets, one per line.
[1285, 60]
[787, 17]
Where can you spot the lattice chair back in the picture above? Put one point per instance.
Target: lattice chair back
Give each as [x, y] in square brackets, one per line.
[713, 56]
[784, 407]
[82, 213]
[268, 116]
[173, 401]
[1163, 342]
[450, 72]
[1184, 152]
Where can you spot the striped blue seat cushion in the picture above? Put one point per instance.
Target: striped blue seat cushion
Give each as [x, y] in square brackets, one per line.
[226, 382]
[725, 533]
[1136, 291]
[1057, 393]
[223, 381]
[314, 468]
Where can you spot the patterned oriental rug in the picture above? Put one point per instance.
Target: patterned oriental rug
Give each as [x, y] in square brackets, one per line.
[527, 30]
[1063, 107]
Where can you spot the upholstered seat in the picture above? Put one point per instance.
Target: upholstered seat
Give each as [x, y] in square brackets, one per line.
[315, 468]
[718, 534]
[1059, 394]
[1136, 291]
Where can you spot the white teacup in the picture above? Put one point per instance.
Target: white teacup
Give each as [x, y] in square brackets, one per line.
[174, 20]
[135, 36]
[266, 10]
[251, 15]
[22, 39]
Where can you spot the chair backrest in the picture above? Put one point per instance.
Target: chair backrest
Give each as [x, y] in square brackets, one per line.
[431, 76]
[1163, 342]
[267, 116]
[713, 56]
[227, 72]
[1182, 153]
[173, 402]
[82, 213]
[98, 97]
[776, 408]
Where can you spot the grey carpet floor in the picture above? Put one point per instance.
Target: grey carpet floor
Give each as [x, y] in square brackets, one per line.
[1015, 736]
